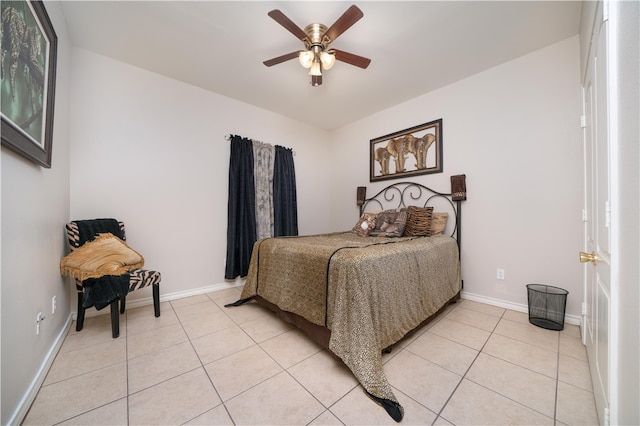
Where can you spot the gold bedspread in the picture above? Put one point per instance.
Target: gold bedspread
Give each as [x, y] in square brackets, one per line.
[378, 289]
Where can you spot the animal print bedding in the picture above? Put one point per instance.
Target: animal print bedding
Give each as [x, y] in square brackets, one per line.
[369, 291]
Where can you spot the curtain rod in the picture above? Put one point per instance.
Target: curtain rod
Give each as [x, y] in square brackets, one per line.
[228, 138]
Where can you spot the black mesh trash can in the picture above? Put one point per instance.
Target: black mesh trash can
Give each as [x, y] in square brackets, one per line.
[546, 306]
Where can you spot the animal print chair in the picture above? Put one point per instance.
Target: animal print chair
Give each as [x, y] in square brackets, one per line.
[83, 231]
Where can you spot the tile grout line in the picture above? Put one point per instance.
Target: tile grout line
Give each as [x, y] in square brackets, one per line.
[555, 401]
[201, 366]
[286, 370]
[126, 362]
[439, 414]
[480, 351]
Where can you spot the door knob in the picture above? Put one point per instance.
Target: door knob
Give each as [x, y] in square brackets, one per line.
[589, 257]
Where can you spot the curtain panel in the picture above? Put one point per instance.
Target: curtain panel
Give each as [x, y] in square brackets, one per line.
[285, 202]
[263, 158]
[241, 208]
[262, 199]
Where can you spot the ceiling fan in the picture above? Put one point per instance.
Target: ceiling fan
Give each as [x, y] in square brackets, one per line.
[317, 55]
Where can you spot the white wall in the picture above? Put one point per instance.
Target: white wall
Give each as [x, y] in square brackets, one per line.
[151, 151]
[35, 206]
[514, 131]
[625, 336]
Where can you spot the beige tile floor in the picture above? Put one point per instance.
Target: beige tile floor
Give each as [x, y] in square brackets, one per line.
[203, 364]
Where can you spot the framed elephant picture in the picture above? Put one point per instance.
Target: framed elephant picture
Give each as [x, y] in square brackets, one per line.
[410, 152]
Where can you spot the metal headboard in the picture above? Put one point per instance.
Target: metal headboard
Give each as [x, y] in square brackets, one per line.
[404, 194]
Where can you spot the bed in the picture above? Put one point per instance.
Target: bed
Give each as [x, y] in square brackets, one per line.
[358, 292]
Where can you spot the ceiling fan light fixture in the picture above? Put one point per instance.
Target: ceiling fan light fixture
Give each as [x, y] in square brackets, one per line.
[328, 59]
[316, 37]
[306, 58]
[316, 69]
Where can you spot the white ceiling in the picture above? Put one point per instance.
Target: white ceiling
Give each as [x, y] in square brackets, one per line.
[414, 47]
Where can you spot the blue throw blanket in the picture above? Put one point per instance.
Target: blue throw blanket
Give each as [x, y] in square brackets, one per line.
[100, 292]
[89, 229]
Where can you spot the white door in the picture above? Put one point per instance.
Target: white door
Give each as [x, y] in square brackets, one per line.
[597, 269]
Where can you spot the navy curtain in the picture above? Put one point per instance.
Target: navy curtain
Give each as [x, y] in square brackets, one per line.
[285, 204]
[241, 209]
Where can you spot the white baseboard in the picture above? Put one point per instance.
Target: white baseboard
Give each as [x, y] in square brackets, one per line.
[571, 319]
[30, 395]
[145, 301]
[518, 307]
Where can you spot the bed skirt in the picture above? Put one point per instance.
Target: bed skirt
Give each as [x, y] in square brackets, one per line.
[322, 335]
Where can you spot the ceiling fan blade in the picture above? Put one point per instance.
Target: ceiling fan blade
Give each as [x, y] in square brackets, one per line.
[280, 59]
[282, 19]
[348, 18]
[350, 58]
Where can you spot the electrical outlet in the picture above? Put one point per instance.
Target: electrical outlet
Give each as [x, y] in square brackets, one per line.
[500, 274]
[53, 305]
[39, 319]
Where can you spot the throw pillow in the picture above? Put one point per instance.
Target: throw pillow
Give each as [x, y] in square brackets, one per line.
[365, 225]
[418, 222]
[390, 224]
[438, 222]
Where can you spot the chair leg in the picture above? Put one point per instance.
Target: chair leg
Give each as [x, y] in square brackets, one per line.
[122, 303]
[80, 316]
[115, 319]
[156, 299]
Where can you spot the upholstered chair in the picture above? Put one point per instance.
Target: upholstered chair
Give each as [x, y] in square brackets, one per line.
[80, 232]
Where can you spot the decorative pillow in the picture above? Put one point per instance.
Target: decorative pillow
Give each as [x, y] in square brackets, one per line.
[418, 222]
[365, 225]
[438, 222]
[390, 224]
[106, 255]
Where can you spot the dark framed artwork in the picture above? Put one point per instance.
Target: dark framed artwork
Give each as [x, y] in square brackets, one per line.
[29, 53]
[410, 152]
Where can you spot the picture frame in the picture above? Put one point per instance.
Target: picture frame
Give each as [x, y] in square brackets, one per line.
[28, 80]
[410, 152]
